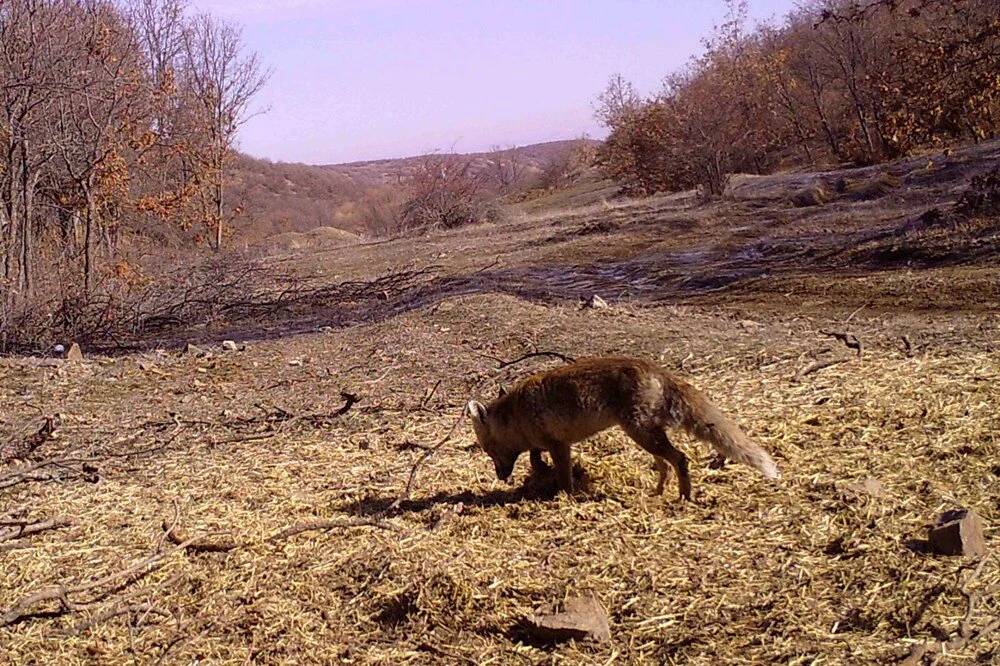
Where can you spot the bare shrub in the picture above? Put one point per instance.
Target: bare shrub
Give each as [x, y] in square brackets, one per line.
[446, 193]
[144, 296]
[381, 211]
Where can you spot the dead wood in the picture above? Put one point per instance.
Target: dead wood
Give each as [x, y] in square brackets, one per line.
[429, 394]
[140, 609]
[819, 365]
[25, 608]
[850, 340]
[964, 634]
[178, 535]
[20, 448]
[349, 401]
[15, 529]
[907, 344]
[506, 364]
[411, 480]
[76, 466]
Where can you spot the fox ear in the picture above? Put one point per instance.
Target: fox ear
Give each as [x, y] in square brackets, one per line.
[501, 391]
[476, 410]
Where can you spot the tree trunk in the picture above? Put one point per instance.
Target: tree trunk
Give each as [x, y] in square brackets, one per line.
[88, 233]
[816, 91]
[10, 208]
[27, 232]
[218, 213]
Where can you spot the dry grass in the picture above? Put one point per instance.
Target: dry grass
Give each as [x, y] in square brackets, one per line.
[796, 572]
[227, 451]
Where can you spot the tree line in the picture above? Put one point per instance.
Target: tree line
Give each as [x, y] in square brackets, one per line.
[839, 81]
[117, 117]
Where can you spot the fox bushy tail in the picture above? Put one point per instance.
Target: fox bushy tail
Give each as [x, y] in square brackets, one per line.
[707, 422]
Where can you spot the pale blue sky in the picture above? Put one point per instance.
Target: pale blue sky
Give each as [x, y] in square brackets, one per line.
[366, 79]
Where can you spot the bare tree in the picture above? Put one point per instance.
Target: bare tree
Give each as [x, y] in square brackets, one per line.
[35, 50]
[97, 124]
[617, 101]
[507, 169]
[223, 79]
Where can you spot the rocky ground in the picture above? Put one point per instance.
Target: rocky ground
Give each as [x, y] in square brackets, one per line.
[250, 504]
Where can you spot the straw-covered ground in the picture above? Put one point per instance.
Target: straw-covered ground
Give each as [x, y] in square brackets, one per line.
[240, 506]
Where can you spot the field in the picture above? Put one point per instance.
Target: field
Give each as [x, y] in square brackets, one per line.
[242, 507]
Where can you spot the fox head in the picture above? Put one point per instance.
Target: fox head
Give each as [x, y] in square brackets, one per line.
[503, 459]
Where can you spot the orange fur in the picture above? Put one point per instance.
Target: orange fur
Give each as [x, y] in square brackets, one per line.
[550, 411]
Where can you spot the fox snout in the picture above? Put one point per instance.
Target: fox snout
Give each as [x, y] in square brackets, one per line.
[503, 461]
[504, 469]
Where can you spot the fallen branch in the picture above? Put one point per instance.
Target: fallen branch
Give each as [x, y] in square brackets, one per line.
[15, 529]
[36, 471]
[178, 536]
[23, 609]
[907, 344]
[819, 365]
[506, 364]
[110, 613]
[19, 448]
[965, 633]
[429, 394]
[416, 466]
[349, 401]
[850, 340]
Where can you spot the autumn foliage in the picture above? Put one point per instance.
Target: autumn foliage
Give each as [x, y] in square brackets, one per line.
[837, 82]
[117, 119]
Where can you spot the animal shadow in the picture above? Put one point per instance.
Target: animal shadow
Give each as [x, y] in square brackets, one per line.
[539, 485]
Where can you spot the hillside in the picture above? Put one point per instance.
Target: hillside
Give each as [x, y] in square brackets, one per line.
[280, 197]
[535, 159]
[311, 494]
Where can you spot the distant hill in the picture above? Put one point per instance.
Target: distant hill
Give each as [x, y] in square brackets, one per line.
[282, 197]
[535, 158]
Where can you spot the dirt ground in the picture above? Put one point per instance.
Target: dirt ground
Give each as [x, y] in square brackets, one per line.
[174, 477]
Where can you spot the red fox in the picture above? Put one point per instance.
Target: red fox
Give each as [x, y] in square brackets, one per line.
[549, 411]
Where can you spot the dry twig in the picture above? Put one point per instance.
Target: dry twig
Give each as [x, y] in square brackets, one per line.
[24, 608]
[20, 448]
[965, 633]
[850, 340]
[141, 609]
[819, 365]
[178, 535]
[506, 364]
[15, 529]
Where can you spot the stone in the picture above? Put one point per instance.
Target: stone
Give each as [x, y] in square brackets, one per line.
[870, 487]
[74, 353]
[193, 350]
[230, 346]
[597, 303]
[583, 619]
[958, 532]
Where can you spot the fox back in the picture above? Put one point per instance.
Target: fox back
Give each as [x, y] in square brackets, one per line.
[573, 402]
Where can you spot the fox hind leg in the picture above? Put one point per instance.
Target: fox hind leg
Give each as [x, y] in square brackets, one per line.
[537, 463]
[664, 471]
[655, 441]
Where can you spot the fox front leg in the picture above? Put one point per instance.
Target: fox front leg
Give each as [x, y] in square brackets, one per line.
[564, 467]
